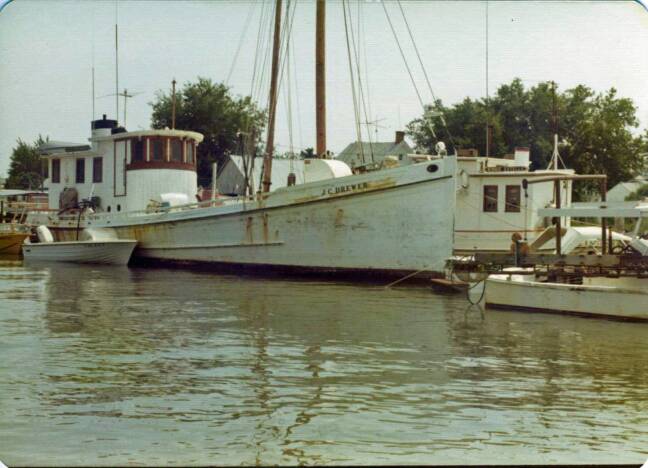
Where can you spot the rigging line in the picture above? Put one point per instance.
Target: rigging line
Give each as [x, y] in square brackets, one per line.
[366, 69]
[295, 74]
[266, 46]
[284, 47]
[240, 43]
[427, 78]
[283, 42]
[353, 93]
[361, 100]
[289, 105]
[258, 47]
[400, 49]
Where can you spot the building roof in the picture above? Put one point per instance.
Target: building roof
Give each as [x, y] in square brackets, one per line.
[623, 189]
[378, 149]
[280, 170]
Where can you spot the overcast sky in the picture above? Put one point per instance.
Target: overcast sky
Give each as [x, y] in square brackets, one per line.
[47, 50]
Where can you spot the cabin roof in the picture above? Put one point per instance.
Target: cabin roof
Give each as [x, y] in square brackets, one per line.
[159, 132]
[50, 147]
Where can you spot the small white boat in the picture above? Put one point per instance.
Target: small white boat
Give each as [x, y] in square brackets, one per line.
[94, 249]
[623, 298]
[623, 295]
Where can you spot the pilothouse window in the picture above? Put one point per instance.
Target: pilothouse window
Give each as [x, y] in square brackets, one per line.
[176, 150]
[157, 149]
[190, 152]
[137, 150]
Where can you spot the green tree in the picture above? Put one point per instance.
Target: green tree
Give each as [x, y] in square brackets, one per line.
[595, 130]
[308, 153]
[209, 108]
[26, 169]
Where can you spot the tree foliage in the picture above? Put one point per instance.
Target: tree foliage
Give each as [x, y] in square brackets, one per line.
[210, 108]
[26, 169]
[639, 194]
[595, 129]
[308, 153]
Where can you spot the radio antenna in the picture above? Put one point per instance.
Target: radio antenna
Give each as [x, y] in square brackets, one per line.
[116, 61]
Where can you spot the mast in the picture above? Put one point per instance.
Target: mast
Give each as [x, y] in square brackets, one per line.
[320, 79]
[267, 158]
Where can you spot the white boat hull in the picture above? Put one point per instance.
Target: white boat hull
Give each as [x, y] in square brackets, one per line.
[610, 298]
[113, 252]
[389, 222]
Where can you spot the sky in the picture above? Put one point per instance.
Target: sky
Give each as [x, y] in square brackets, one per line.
[48, 49]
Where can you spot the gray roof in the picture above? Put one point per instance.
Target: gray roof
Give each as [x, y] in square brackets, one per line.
[378, 149]
[50, 147]
[231, 181]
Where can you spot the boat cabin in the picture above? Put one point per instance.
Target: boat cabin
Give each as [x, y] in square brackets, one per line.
[123, 171]
[492, 204]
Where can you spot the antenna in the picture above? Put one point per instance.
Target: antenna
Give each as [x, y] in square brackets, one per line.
[117, 62]
[123, 94]
[93, 63]
[375, 125]
[555, 156]
[173, 111]
[488, 131]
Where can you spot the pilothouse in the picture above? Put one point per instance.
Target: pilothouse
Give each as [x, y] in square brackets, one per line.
[123, 171]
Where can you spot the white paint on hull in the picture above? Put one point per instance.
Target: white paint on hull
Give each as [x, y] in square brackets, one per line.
[115, 252]
[607, 299]
[398, 219]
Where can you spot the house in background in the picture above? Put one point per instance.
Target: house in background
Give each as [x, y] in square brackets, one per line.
[231, 179]
[621, 190]
[376, 152]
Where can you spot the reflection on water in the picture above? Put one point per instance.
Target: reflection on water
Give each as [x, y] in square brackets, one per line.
[116, 365]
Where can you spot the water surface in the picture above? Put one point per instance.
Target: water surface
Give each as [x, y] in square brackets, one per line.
[105, 366]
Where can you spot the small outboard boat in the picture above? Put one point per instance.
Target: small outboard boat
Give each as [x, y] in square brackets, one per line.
[97, 246]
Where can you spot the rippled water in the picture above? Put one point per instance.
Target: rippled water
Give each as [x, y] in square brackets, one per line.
[104, 366]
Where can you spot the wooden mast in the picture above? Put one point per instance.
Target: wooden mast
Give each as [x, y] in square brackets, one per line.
[267, 158]
[320, 80]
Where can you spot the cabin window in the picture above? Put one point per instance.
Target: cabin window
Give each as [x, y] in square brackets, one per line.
[490, 198]
[97, 169]
[56, 171]
[137, 150]
[176, 150]
[157, 149]
[80, 170]
[512, 199]
[190, 152]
